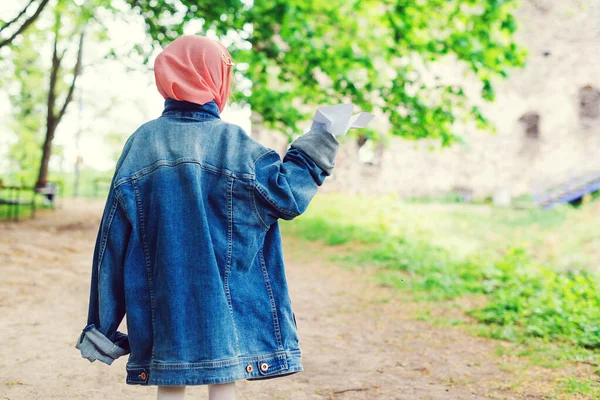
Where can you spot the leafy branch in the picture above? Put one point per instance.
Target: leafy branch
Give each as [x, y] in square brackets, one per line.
[25, 23]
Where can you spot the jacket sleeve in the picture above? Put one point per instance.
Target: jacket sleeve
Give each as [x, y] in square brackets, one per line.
[100, 339]
[285, 188]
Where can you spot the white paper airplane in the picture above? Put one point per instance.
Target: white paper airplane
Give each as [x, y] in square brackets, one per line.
[339, 120]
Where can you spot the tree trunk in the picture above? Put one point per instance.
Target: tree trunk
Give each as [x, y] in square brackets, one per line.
[47, 152]
[53, 118]
[50, 118]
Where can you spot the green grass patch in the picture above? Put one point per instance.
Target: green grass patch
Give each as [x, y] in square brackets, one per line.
[24, 211]
[585, 386]
[523, 297]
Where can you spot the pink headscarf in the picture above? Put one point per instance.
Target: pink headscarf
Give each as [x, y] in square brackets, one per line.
[195, 69]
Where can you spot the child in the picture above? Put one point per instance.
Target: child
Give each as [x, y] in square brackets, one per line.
[189, 248]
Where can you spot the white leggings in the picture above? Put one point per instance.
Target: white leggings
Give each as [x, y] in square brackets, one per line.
[225, 391]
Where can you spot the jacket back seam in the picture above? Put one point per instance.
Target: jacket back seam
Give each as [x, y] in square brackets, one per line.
[166, 163]
[229, 258]
[271, 299]
[147, 259]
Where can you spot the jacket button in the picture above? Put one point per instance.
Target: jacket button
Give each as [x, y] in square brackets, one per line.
[142, 376]
[264, 367]
[249, 368]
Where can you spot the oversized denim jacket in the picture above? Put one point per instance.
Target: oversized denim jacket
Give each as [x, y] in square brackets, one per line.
[189, 251]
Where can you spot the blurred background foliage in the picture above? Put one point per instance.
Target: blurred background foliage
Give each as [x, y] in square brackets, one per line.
[290, 56]
[306, 52]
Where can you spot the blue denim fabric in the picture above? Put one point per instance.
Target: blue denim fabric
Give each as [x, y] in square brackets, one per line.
[189, 251]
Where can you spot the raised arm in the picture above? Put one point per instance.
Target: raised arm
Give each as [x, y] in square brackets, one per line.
[285, 188]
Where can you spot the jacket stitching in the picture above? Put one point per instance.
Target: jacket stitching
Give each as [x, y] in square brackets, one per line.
[236, 376]
[179, 115]
[229, 257]
[271, 299]
[93, 355]
[167, 163]
[219, 363]
[105, 233]
[119, 197]
[263, 223]
[277, 369]
[265, 196]
[147, 257]
[268, 151]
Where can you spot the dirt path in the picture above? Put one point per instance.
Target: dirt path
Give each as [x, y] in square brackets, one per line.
[359, 341]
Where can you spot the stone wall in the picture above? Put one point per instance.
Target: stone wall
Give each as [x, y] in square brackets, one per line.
[547, 118]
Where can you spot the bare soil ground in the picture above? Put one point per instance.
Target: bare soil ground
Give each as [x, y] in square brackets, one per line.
[359, 340]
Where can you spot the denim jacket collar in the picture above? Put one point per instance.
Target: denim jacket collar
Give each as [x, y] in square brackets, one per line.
[191, 110]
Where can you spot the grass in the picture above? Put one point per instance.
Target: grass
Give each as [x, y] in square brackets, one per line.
[92, 184]
[24, 211]
[562, 237]
[585, 386]
[449, 252]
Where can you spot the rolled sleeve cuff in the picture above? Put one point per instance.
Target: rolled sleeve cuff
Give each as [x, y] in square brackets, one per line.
[320, 145]
[95, 346]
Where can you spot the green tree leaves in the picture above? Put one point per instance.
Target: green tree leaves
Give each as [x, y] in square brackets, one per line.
[298, 54]
[372, 53]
